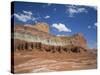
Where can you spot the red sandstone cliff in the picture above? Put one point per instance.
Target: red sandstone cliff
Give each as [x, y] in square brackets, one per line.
[40, 33]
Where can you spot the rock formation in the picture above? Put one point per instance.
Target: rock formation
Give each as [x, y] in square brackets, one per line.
[42, 27]
[38, 37]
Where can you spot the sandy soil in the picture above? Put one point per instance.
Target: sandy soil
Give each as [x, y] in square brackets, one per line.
[35, 61]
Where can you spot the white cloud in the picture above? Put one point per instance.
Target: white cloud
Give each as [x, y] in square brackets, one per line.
[60, 35]
[72, 10]
[25, 16]
[46, 17]
[35, 18]
[61, 27]
[27, 12]
[95, 24]
[22, 17]
[89, 27]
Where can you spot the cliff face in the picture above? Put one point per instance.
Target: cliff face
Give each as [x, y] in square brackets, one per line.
[42, 27]
[79, 40]
[38, 36]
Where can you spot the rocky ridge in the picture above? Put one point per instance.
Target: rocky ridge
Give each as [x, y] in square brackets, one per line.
[38, 35]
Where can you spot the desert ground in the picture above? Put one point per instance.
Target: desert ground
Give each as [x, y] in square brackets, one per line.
[34, 61]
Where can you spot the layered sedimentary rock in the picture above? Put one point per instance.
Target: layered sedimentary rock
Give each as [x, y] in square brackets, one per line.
[42, 27]
[38, 37]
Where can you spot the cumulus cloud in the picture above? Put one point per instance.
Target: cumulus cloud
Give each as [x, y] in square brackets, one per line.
[72, 10]
[61, 27]
[46, 17]
[22, 17]
[25, 16]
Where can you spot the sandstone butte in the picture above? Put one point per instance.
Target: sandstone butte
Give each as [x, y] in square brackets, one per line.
[39, 33]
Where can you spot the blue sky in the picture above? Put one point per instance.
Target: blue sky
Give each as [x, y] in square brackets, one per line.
[62, 19]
